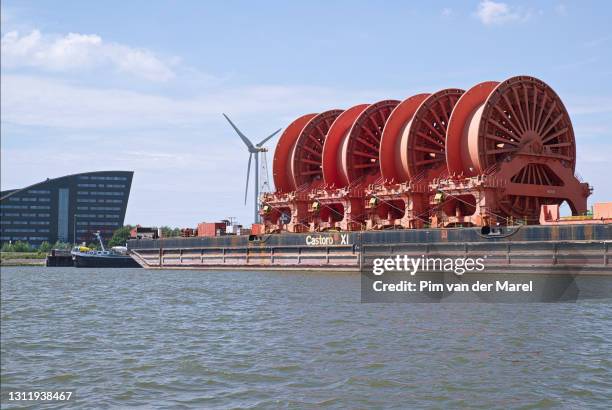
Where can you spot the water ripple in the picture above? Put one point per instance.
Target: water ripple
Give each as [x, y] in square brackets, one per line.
[175, 339]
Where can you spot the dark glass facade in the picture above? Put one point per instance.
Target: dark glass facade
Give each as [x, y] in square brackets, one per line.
[61, 209]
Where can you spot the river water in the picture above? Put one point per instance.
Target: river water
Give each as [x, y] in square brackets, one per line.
[189, 339]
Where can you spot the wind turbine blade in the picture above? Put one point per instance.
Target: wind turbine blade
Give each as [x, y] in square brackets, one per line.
[268, 137]
[243, 137]
[246, 188]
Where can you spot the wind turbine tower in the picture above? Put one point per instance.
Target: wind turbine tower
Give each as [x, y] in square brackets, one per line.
[254, 150]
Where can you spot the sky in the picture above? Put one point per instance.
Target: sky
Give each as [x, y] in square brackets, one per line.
[141, 85]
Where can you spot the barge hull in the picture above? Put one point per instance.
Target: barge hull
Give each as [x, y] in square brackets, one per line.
[583, 249]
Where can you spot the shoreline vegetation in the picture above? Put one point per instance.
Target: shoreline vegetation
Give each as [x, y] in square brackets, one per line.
[23, 254]
[22, 258]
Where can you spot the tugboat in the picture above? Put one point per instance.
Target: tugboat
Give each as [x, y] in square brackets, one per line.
[116, 257]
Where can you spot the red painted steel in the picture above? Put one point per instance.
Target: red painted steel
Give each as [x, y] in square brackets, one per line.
[360, 146]
[423, 144]
[493, 154]
[456, 150]
[331, 148]
[307, 155]
[523, 112]
[492, 121]
[390, 151]
[211, 228]
[257, 229]
[520, 129]
[281, 167]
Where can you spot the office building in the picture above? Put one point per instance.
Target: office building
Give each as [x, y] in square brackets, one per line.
[65, 208]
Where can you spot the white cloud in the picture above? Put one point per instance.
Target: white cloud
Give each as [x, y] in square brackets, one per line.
[76, 51]
[492, 13]
[447, 12]
[561, 9]
[40, 101]
[179, 146]
[164, 139]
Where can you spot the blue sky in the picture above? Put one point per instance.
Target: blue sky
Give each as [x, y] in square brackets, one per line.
[141, 85]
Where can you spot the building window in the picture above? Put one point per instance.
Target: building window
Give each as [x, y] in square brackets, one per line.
[83, 192]
[10, 214]
[83, 177]
[111, 193]
[39, 207]
[14, 206]
[103, 223]
[44, 199]
[43, 215]
[85, 200]
[29, 199]
[115, 185]
[62, 214]
[39, 191]
[109, 178]
[39, 222]
[20, 230]
[14, 199]
[87, 185]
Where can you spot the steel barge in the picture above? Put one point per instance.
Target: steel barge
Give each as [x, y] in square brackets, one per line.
[574, 249]
[454, 173]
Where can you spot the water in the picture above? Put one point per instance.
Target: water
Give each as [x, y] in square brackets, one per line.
[187, 339]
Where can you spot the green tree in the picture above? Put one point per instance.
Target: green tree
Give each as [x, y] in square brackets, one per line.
[7, 247]
[44, 247]
[120, 236]
[62, 245]
[22, 247]
[168, 232]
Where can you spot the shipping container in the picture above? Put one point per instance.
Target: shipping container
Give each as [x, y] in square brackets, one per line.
[140, 232]
[233, 229]
[211, 228]
[187, 232]
[602, 210]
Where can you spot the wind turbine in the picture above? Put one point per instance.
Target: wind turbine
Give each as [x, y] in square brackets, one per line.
[254, 150]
